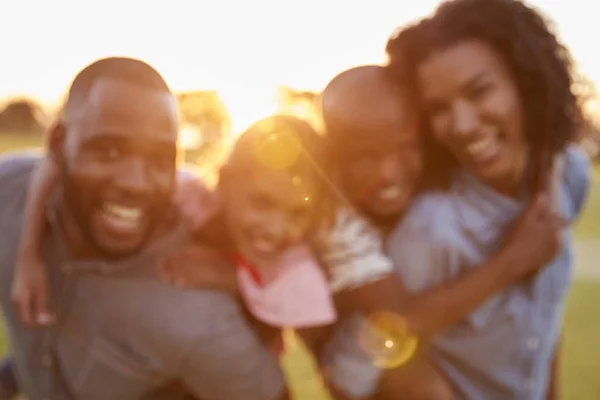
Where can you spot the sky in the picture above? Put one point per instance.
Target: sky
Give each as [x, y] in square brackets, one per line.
[243, 49]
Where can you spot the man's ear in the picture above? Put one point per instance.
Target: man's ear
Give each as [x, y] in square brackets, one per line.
[55, 140]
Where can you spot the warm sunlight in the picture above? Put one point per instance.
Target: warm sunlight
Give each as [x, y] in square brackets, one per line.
[244, 50]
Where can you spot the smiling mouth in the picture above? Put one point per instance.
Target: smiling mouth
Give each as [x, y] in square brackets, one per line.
[122, 219]
[484, 150]
[263, 246]
[390, 193]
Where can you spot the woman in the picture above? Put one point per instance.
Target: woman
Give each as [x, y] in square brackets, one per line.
[495, 86]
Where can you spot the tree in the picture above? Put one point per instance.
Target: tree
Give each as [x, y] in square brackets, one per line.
[302, 104]
[22, 116]
[205, 122]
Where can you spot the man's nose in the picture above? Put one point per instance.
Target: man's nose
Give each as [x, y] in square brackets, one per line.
[134, 177]
[389, 167]
[464, 119]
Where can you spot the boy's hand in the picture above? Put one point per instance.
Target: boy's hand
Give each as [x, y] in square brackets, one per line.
[199, 267]
[29, 293]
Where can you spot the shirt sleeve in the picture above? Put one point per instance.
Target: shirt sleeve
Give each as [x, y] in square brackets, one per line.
[230, 362]
[577, 176]
[352, 252]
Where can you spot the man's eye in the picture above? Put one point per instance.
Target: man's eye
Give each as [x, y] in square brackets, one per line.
[108, 152]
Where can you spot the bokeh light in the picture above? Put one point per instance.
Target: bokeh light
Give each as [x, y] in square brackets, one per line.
[387, 339]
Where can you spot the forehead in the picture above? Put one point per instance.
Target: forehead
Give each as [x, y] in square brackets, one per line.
[283, 185]
[461, 63]
[130, 111]
[395, 123]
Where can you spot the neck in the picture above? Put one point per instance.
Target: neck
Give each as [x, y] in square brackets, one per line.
[512, 185]
[74, 237]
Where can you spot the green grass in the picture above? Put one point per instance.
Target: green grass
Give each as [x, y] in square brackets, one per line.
[580, 373]
[580, 362]
[588, 226]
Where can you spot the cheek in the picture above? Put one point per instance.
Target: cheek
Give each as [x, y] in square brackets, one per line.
[241, 214]
[516, 122]
[441, 130]
[414, 165]
[164, 183]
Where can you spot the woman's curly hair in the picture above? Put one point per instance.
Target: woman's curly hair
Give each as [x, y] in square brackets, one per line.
[541, 66]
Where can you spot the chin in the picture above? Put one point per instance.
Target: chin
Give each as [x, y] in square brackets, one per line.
[112, 250]
[385, 216]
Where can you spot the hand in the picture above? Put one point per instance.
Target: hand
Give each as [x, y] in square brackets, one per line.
[536, 238]
[199, 267]
[29, 292]
[195, 201]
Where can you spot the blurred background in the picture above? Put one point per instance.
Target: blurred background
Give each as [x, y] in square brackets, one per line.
[232, 62]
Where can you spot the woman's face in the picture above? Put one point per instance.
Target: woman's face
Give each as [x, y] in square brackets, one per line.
[267, 211]
[475, 111]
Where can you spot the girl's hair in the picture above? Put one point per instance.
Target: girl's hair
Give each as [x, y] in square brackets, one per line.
[542, 67]
[278, 142]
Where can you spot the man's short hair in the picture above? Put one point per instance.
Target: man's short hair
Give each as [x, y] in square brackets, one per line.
[124, 69]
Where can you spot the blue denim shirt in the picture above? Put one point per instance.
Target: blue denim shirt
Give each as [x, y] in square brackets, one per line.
[121, 333]
[504, 349]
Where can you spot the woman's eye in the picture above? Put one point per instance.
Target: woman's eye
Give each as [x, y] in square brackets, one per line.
[480, 91]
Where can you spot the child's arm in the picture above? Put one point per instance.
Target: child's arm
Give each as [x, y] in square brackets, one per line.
[532, 243]
[30, 285]
[199, 267]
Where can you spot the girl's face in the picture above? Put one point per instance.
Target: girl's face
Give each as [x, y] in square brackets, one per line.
[475, 111]
[267, 211]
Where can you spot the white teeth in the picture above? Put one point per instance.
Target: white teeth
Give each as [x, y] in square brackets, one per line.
[122, 218]
[127, 213]
[263, 246]
[390, 193]
[484, 149]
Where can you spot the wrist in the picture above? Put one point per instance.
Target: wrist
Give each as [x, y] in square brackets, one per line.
[509, 261]
[27, 254]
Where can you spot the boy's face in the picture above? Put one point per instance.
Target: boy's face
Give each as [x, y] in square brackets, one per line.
[381, 162]
[268, 210]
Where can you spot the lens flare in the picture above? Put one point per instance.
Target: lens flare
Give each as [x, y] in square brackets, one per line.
[385, 336]
[277, 150]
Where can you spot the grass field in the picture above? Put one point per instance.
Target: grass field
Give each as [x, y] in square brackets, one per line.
[580, 362]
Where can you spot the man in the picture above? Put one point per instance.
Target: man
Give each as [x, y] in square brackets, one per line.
[119, 332]
[373, 126]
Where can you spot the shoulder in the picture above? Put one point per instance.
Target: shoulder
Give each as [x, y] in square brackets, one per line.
[422, 246]
[15, 172]
[17, 166]
[577, 176]
[352, 251]
[432, 216]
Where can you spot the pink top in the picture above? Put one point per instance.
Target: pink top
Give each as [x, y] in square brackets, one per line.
[296, 293]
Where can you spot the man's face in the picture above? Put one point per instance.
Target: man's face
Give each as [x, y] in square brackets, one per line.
[117, 163]
[382, 163]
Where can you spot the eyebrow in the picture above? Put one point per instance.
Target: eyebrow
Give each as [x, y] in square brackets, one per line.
[473, 80]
